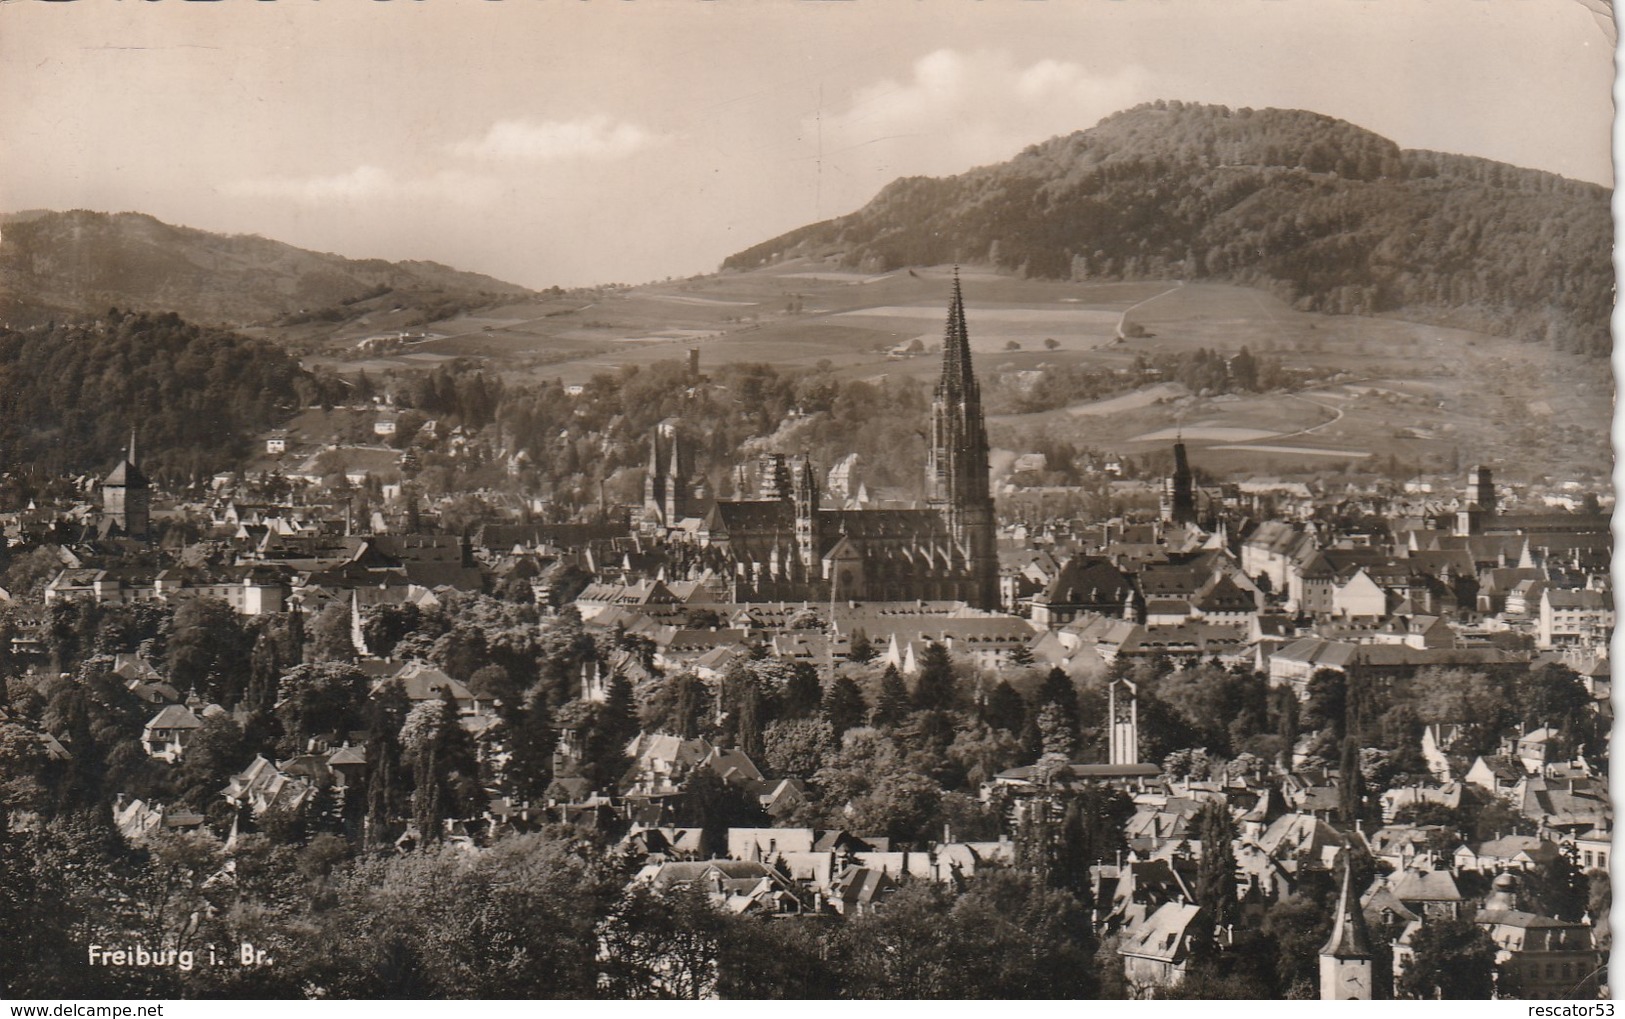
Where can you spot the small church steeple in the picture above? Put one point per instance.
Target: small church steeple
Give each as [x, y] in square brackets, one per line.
[1345, 961]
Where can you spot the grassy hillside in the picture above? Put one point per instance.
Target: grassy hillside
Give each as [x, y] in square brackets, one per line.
[67, 264]
[1326, 215]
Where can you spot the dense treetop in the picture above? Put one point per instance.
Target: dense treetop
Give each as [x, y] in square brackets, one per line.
[70, 394]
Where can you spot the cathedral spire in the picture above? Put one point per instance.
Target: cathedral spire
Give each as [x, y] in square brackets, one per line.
[957, 476]
[957, 377]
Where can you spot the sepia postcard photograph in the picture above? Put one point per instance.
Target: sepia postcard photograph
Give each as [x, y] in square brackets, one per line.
[805, 499]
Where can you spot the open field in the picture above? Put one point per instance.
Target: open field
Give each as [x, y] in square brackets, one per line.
[1401, 394]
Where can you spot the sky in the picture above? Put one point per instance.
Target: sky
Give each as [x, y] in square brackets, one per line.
[570, 142]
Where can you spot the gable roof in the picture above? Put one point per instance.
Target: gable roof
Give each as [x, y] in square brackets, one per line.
[1164, 934]
[175, 716]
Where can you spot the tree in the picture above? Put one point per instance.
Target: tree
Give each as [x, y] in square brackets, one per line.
[1052, 843]
[318, 700]
[663, 945]
[264, 672]
[518, 919]
[216, 751]
[934, 689]
[492, 682]
[871, 787]
[27, 574]
[1216, 873]
[1004, 708]
[386, 784]
[797, 748]
[676, 706]
[981, 752]
[860, 649]
[844, 707]
[1327, 704]
[1059, 690]
[775, 957]
[22, 770]
[462, 651]
[1559, 886]
[802, 693]
[531, 744]
[1057, 736]
[445, 770]
[613, 725]
[712, 805]
[749, 716]
[1284, 708]
[1554, 695]
[207, 647]
[892, 706]
[901, 804]
[1453, 959]
[1295, 928]
[1351, 782]
[330, 634]
[1007, 936]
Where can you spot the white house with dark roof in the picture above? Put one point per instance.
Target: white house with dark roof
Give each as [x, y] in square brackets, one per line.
[1594, 847]
[1574, 618]
[1505, 852]
[1156, 953]
[166, 735]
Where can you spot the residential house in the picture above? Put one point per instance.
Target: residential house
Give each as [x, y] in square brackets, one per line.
[169, 731]
[1085, 585]
[263, 786]
[1574, 619]
[1425, 892]
[1504, 853]
[735, 886]
[136, 819]
[1593, 847]
[1538, 957]
[1156, 953]
[1500, 774]
[1394, 800]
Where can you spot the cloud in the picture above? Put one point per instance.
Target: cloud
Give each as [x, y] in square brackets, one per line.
[960, 109]
[372, 184]
[539, 141]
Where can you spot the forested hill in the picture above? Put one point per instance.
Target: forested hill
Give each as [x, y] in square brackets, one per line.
[68, 264]
[1331, 216]
[70, 395]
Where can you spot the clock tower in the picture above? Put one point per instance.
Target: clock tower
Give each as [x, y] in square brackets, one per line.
[1123, 708]
[1345, 962]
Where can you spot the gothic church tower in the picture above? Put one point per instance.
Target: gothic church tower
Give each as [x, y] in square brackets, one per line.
[1179, 490]
[127, 496]
[957, 479]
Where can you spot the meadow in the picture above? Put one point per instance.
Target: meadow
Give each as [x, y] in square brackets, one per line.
[1389, 395]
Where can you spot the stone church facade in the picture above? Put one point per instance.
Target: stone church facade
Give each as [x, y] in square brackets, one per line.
[782, 546]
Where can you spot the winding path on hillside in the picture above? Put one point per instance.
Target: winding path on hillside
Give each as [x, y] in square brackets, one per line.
[1337, 415]
[1123, 318]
